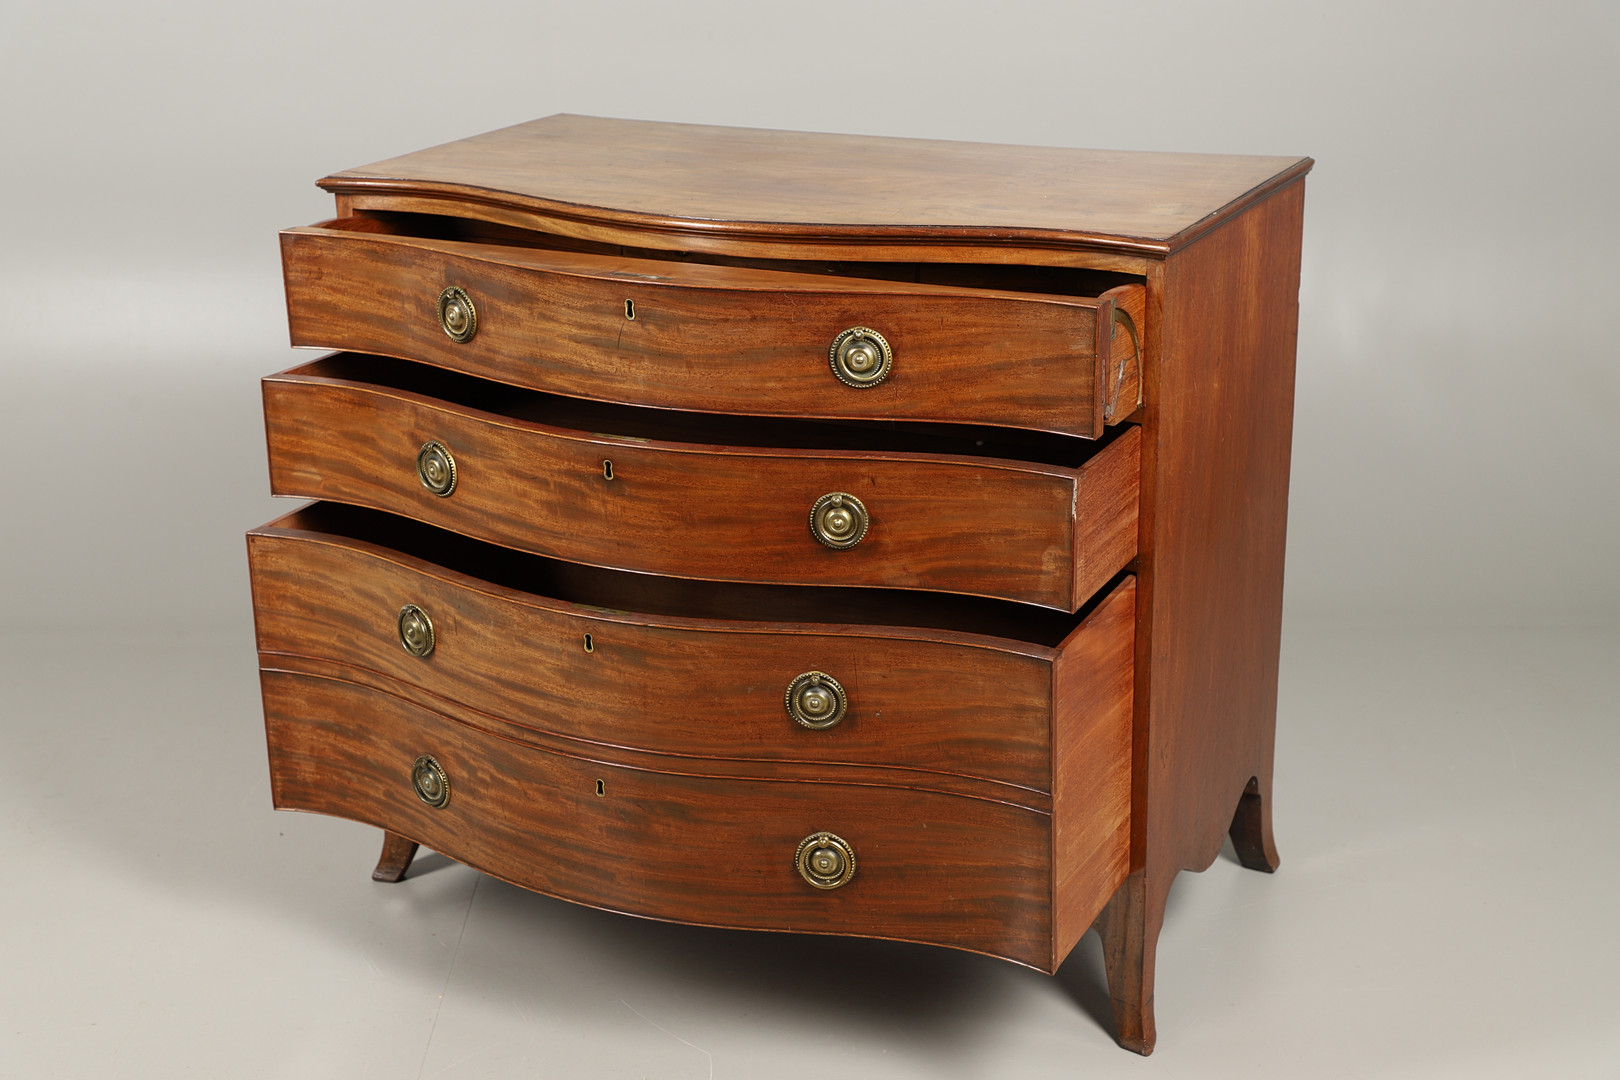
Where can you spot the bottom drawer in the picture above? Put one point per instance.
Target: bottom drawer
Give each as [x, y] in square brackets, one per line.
[945, 869]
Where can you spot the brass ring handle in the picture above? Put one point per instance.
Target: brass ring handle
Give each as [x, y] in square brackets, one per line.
[839, 520]
[457, 316]
[436, 468]
[860, 357]
[415, 630]
[825, 860]
[431, 782]
[816, 700]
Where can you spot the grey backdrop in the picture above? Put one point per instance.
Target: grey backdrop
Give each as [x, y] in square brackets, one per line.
[1455, 447]
[1451, 661]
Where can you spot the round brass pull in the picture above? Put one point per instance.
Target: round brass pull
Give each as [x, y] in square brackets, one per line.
[839, 520]
[824, 860]
[431, 782]
[457, 314]
[436, 468]
[415, 630]
[816, 700]
[860, 357]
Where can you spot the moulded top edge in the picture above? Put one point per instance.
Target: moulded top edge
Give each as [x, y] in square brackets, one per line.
[802, 187]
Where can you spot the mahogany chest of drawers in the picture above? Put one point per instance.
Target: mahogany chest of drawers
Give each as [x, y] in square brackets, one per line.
[796, 532]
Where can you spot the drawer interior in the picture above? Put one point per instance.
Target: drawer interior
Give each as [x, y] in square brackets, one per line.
[1047, 280]
[663, 425]
[620, 591]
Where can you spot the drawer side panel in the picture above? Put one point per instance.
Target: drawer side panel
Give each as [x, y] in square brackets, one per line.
[1107, 506]
[1091, 799]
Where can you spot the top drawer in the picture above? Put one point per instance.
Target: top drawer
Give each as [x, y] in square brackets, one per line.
[718, 338]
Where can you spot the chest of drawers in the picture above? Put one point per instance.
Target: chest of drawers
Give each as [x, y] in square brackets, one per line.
[791, 532]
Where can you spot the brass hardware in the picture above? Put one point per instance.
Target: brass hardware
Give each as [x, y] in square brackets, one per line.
[436, 468]
[860, 357]
[431, 782]
[824, 860]
[457, 314]
[630, 310]
[1111, 408]
[816, 700]
[601, 788]
[415, 630]
[838, 520]
[607, 469]
[590, 643]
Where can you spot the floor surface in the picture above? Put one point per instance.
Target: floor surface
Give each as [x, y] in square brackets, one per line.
[1447, 813]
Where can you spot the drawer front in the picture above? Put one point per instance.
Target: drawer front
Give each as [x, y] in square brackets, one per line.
[710, 338]
[942, 869]
[935, 702]
[965, 525]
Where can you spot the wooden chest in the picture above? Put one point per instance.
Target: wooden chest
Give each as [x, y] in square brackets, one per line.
[795, 532]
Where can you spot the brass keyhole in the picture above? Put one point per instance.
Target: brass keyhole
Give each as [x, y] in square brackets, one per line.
[607, 469]
[590, 643]
[601, 788]
[630, 309]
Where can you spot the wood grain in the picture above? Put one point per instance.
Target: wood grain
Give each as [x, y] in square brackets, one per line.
[932, 868]
[1223, 316]
[1119, 352]
[933, 702]
[681, 602]
[396, 857]
[1092, 684]
[1231, 316]
[949, 523]
[684, 185]
[1009, 773]
[704, 337]
[812, 772]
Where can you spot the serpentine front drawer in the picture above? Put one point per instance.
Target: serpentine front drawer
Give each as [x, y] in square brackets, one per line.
[676, 843]
[711, 338]
[464, 454]
[895, 681]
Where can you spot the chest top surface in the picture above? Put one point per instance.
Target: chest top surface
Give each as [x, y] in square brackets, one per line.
[807, 186]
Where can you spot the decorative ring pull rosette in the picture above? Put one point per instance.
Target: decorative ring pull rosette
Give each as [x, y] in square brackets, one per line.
[839, 520]
[860, 357]
[431, 782]
[816, 700]
[457, 316]
[825, 860]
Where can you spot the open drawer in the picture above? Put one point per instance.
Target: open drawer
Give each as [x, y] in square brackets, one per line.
[640, 730]
[1036, 519]
[877, 341]
[973, 697]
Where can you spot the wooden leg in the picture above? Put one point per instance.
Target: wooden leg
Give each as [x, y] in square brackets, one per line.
[397, 853]
[1251, 829]
[1129, 927]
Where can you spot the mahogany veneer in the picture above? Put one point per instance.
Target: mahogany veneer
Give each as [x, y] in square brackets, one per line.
[708, 337]
[1056, 642]
[732, 513]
